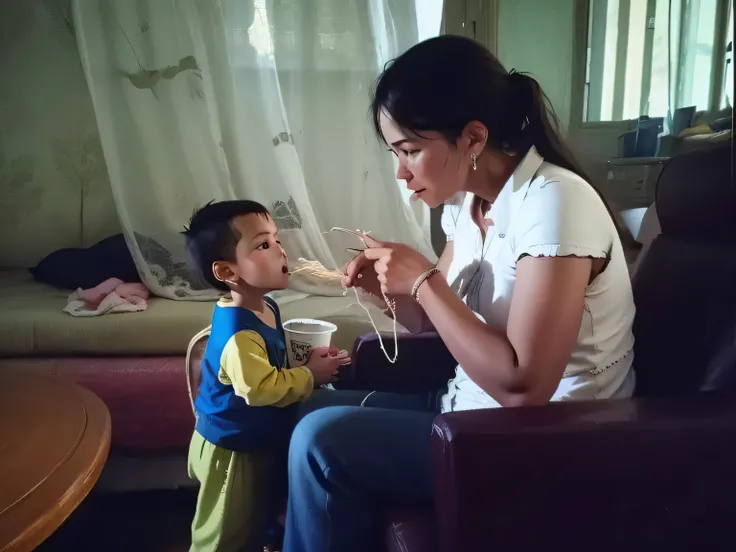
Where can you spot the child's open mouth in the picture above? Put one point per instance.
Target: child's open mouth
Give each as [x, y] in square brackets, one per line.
[285, 269]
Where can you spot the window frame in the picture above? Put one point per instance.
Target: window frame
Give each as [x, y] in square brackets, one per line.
[579, 93]
[724, 15]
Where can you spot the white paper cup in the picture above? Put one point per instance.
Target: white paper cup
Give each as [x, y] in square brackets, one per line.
[305, 334]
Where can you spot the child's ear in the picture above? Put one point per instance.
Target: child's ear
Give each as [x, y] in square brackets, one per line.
[224, 271]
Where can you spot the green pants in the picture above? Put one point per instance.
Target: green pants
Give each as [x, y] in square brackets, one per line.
[233, 497]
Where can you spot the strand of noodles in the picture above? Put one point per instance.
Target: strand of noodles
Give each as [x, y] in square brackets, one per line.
[392, 307]
[318, 271]
[357, 233]
[389, 303]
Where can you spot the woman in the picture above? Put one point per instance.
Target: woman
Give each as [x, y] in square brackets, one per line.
[531, 295]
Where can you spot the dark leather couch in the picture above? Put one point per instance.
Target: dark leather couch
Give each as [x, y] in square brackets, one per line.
[656, 472]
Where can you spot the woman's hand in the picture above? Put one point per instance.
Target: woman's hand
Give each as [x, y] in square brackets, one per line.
[397, 266]
[361, 273]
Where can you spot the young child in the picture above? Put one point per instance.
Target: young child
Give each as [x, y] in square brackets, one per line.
[247, 401]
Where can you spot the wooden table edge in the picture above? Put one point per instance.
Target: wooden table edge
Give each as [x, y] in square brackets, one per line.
[80, 486]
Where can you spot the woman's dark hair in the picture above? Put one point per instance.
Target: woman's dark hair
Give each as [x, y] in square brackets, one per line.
[444, 83]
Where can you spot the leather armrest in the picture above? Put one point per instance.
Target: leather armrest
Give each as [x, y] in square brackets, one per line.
[423, 364]
[643, 470]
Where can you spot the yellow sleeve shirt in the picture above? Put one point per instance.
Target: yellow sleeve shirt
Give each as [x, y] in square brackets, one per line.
[244, 364]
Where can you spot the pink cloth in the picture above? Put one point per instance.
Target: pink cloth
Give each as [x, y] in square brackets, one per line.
[110, 296]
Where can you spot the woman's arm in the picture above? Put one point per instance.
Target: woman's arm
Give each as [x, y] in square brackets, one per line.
[525, 365]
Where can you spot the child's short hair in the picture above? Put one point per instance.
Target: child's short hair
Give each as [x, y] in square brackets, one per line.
[211, 236]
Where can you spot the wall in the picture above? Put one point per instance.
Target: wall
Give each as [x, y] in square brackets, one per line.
[54, 190]
[536, 36]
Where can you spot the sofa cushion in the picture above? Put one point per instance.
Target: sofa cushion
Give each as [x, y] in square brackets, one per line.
[33, 324]
[73, 268]
[685, 324]
[147, 397]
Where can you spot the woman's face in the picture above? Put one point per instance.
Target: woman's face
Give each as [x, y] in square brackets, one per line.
[433, 169]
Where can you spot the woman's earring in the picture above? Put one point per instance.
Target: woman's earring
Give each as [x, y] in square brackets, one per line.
[474, 160]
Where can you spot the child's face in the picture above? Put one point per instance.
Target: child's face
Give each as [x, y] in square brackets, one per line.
[260, 261]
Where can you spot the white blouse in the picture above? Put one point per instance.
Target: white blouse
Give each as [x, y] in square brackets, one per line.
[545, 210]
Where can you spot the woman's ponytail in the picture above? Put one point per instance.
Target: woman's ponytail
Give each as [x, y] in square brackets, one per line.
[541, 129]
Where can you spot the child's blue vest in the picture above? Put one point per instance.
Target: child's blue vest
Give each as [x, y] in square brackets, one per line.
[223, 418]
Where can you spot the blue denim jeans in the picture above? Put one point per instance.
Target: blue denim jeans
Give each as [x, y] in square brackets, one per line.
[347, 463]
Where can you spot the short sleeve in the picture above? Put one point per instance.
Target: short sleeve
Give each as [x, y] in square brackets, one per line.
[562, 218]
[450, 214]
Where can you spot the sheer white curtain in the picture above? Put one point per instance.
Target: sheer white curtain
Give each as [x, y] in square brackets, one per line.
[328, 55]
[218, 99]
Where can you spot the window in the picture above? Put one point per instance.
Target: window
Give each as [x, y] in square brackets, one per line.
[647, 57]
[727, 98]
[331, 35]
